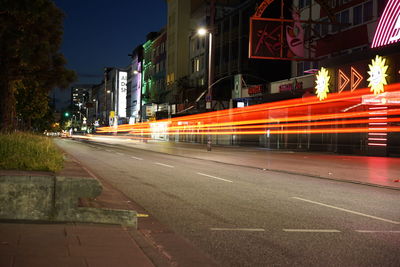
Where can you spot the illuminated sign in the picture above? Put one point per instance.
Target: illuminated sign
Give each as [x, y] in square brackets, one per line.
[343, 81]
[355, 79]
[377, 75]
[122, 88]
[322, 87]
[388, 30]
[254, 90]
[291, 86]
[387, 99]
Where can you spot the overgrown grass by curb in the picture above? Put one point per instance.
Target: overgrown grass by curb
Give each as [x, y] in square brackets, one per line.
[26, 151]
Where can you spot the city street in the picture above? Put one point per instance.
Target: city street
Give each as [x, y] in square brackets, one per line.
[247, 216]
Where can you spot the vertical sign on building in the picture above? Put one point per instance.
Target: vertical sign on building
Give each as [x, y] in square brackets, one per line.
[122, 90]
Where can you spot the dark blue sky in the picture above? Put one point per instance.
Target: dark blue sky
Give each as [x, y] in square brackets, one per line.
[100, 33]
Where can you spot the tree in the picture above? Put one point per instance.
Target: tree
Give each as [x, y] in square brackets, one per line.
[30, 38]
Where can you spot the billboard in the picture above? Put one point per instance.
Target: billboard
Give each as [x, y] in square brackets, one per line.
[122, 91]
[276, 39]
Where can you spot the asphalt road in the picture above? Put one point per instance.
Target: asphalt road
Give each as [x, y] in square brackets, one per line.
[249, 217]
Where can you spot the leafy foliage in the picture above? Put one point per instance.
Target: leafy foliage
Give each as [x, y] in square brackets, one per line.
[31, 64]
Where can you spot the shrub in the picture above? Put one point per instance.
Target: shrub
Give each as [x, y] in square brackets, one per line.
[27, 151]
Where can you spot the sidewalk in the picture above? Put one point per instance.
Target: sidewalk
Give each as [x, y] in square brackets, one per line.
[375, 171]
[68, 245]
[41, 244]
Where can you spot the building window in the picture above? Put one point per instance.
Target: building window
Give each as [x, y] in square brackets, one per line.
[345, 19]
[368, 11]
[304, 3]
[357, 15]
[324, 27]
[300, 69]
[197, 62]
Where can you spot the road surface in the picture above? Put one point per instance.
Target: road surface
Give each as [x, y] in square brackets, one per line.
[243, 216]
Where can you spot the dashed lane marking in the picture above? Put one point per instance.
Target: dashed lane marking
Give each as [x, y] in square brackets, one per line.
[136, 158]
[346, 210]
[373, 231]
[214, 177]
[165, 165]
[239, 229]
[312, 230]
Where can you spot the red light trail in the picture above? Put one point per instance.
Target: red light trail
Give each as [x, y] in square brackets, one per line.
[342, 112]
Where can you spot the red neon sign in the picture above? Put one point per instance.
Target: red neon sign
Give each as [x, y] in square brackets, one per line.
[388, 30]
[343, 81]
[356, 78]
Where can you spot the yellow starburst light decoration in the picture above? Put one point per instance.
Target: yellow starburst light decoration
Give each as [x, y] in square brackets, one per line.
[322, 87]
[377, 75]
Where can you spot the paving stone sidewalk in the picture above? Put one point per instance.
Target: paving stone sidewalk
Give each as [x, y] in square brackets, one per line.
[72, 245]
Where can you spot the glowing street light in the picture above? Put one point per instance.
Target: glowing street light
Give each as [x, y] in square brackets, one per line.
[202, 31]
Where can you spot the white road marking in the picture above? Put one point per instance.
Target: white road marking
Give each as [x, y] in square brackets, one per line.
[372, 231]
[118, 153]
[136, 158]
[239, 229]
[108, 150]
[349, 211]
[165, 165]
[312, 230]
[214, 177]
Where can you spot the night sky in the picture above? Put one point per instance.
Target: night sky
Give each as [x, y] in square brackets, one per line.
[101, 33]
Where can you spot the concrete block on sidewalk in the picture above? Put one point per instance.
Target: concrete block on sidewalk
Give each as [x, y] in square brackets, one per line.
[50, 198]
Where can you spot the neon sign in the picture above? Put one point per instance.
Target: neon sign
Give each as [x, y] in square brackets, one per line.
[343, 80]
[377, 75]
[322, 87]
[388, 30]
[356, 79]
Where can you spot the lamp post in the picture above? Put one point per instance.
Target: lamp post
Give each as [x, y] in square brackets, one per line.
[203, 32]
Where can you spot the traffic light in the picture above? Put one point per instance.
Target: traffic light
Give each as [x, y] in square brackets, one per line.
[66, 114]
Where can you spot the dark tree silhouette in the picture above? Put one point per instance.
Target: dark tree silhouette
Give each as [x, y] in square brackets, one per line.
[30, 38]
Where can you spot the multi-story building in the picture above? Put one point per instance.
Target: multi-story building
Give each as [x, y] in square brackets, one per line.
[233, 67]
[178, 31]
[203, 16]
[346, 39]
[81, 102]
[153, 74]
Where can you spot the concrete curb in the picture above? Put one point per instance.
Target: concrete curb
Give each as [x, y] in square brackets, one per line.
[55, 198]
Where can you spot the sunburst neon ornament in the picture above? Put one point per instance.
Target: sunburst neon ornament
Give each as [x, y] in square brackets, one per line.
[322, 87]
[377, 75]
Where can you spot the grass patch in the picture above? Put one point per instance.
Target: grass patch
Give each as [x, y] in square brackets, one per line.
[26, 151]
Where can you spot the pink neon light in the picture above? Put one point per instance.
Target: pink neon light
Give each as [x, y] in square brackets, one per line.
[377, 129]
[386, 29]
[378, 134]
[383, 25]
[378, 118]
[376, 144]
[378, 108]
[377, 139]
[379, 32]
[378, 123]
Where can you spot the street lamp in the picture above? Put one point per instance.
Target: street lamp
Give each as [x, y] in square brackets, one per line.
[203, 32]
